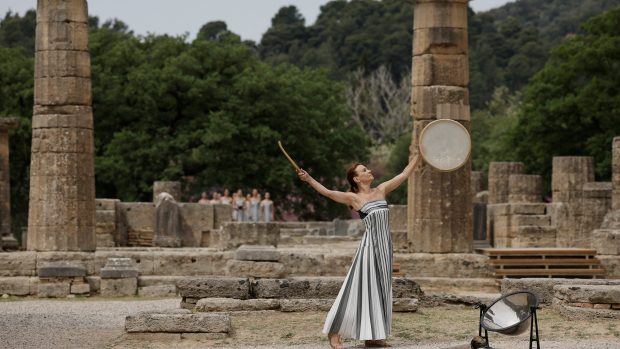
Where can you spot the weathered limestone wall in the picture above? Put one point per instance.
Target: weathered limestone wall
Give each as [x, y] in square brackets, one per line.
[62, 183]
[440, 214]
[135, 222]
[521, 225]
[578, 202]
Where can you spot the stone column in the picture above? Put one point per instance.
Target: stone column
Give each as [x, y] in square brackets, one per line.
[499, 174]
[477, 182]
[615, 175]
[7, 238]
[569, 174]
[524, 188]
[62, 183]
[439, 203]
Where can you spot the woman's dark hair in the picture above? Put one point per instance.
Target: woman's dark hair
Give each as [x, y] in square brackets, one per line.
[351, 173]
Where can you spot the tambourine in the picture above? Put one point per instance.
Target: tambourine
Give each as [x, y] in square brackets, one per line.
[445, 144]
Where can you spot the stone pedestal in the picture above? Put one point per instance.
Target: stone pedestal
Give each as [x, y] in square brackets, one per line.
[59, 279]
[440, 212]
[61, 213]
[119, 277]
[6, 236]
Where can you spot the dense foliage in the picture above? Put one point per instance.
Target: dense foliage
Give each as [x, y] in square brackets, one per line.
[210, 111]
[572, 106]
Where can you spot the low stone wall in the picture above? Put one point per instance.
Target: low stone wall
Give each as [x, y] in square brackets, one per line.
[134, 222]
[587, 301]
[162, 263]
[292, 294]
[544, 288]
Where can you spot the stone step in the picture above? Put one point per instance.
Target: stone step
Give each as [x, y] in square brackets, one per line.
[194, 288]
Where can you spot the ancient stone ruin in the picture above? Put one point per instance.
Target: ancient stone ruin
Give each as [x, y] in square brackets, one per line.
[81, 246]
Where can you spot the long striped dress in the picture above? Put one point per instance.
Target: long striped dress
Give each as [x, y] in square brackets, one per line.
[363, 308]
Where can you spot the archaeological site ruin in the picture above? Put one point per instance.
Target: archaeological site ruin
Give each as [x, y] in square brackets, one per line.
[458, 232]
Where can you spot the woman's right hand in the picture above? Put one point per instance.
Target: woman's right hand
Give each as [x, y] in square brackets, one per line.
[303, 175]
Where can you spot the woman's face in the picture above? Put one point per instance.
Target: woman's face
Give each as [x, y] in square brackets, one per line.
[254, 192]
[364, 174]
[267, 196]
[239, 192]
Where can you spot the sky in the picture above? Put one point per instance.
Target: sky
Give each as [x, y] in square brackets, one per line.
[248, 18]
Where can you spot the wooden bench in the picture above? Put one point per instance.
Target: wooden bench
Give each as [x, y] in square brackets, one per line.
[544, 262]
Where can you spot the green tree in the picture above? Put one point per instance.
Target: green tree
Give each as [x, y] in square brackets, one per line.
[572, 106]
[16, 95]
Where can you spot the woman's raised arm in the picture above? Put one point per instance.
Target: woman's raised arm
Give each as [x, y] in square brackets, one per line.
[338, 196]
[388, 186]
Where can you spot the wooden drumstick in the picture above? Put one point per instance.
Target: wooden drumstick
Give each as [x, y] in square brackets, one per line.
[297, 169]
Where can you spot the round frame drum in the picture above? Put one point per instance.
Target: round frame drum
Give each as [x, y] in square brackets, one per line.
[445, 144]
[509, 314]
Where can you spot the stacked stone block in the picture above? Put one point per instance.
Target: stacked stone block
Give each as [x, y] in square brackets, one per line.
[522, 225]
[257, 261]
[209, 294]
[499, 180]
[119, 278]
[587, 301]
[440, 214]
[62, 184]
[615, 174]
[60, 279]
[105, 222]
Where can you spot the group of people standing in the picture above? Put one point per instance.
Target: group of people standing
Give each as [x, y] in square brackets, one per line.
[246, 208]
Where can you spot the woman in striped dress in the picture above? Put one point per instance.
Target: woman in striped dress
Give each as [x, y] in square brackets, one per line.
[363, 308]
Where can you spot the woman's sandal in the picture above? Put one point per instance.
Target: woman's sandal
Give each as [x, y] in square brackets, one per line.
[334, 337]
[379, 343]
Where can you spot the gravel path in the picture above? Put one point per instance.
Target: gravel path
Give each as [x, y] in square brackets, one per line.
[99, 323]
[34, 323]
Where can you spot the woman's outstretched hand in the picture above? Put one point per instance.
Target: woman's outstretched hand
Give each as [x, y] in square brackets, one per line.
[303, 175]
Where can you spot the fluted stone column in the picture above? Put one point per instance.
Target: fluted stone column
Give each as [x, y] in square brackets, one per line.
[6, 236]
[62, 183]
[524, 188]
[439, 203]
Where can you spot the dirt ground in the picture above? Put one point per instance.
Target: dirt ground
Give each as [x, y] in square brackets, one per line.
[438, 327]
